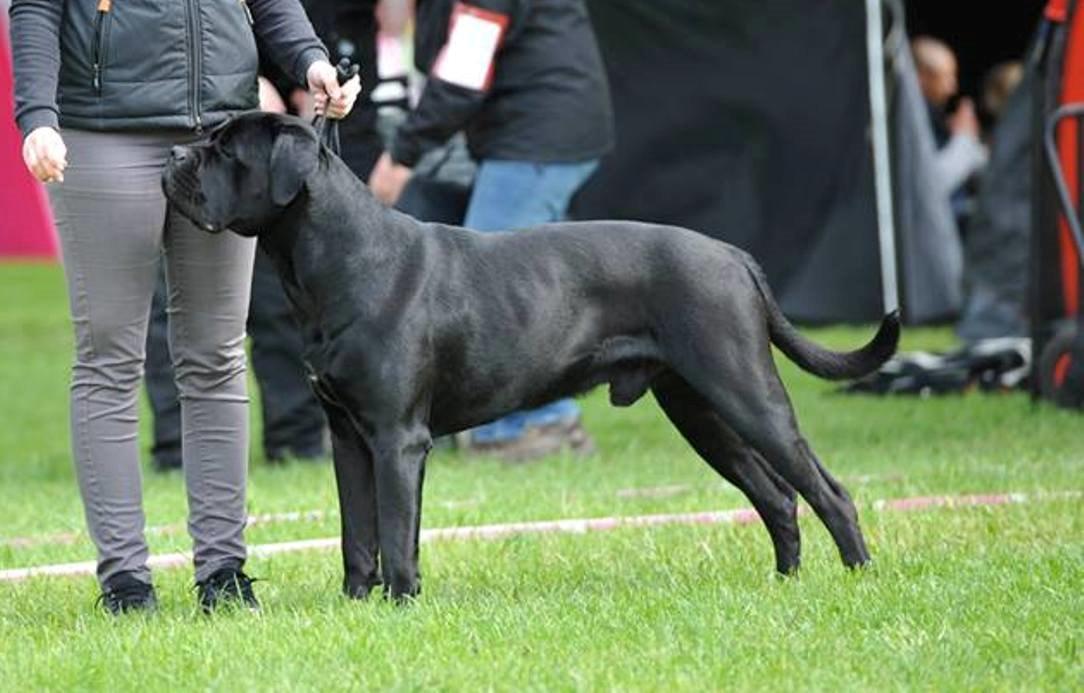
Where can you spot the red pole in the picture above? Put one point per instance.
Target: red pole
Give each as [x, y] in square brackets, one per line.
[1072, 91]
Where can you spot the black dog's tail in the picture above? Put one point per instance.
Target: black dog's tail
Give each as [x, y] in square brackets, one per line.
[816, 359]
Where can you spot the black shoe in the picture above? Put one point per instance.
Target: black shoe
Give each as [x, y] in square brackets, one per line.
[227, 586]
[123, 592]
[538, 442]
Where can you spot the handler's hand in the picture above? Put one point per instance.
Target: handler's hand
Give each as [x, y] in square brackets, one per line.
[45, 154]
[331, 99]
[388, 179]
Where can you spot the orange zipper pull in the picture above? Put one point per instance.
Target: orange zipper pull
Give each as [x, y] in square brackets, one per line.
[105, 5]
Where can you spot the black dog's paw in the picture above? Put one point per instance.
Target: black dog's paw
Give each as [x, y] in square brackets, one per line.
[358, 587]
[402, 595]
[791, 571]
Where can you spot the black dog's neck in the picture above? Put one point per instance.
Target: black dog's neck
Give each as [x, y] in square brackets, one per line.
[315, 239]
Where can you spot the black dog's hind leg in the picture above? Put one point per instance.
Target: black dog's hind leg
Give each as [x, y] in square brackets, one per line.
[399, 464]
[750, 397]
[357, 504]
[736, 462]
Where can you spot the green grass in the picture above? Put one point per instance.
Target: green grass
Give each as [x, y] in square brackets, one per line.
[958, 599]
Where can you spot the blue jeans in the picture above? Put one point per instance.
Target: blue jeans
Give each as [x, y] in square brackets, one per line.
[512, 195]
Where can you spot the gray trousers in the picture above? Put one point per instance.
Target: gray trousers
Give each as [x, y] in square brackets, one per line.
[115, 230]
[293, 419]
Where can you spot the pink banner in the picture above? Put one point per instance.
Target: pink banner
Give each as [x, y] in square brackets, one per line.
[26, 225]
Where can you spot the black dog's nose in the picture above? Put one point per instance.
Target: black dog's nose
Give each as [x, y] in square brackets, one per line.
[179, 154]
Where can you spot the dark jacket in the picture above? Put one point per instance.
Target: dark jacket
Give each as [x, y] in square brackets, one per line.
[547, 99]
[139, 64]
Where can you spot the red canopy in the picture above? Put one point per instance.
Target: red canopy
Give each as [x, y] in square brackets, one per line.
[26, 226]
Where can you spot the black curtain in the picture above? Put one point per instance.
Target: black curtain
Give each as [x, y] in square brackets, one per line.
[748, 121]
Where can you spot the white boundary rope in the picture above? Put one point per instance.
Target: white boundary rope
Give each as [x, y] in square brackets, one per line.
[740, 516]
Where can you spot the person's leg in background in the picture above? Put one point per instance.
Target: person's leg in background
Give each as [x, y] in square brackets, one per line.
[210, 278]
[293, 420]
[516, 194]
[161, 386]
[109, 213]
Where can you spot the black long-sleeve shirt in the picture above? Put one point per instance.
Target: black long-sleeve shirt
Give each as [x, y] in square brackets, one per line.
[523, 78]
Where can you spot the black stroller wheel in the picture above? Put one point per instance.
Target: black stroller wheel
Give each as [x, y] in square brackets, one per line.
[1061, 368]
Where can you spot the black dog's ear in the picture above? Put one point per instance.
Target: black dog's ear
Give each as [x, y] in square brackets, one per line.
[294, 156]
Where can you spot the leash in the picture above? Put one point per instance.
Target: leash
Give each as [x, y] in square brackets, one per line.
[328, 128]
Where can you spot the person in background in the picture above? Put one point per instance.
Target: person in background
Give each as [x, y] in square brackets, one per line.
[525, 80]
[393, 50]
[441, 180]
[999, 84]
[961, 153]
[112, 88]
[294, 426]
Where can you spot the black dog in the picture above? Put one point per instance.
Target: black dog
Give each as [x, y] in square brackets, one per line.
[416, 330]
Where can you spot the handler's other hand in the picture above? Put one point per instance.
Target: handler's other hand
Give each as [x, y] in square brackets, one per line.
[302, 103]
[388, 179]
[270, 99]
[330, 98]
[46, 155]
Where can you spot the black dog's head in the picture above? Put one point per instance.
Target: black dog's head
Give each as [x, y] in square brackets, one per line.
[244, 174]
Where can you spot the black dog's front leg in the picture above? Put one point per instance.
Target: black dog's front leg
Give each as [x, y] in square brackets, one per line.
[357, 504]
[399, 464]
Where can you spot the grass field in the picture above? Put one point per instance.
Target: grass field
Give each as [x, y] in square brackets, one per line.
[974, 598]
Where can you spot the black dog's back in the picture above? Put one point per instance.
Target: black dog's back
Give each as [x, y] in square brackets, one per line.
[553, 311]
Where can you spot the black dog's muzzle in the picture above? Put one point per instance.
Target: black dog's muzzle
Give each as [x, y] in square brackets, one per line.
[181, 185]
[178, 155]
